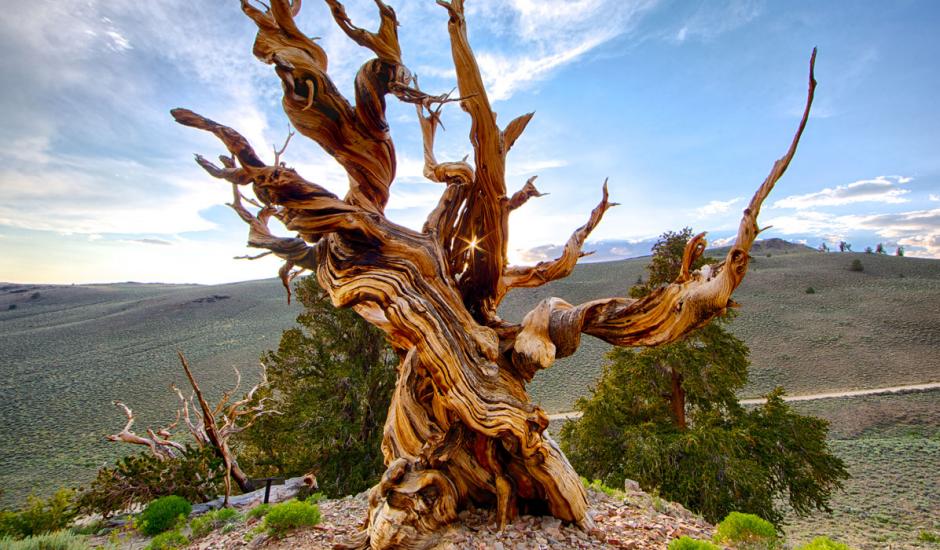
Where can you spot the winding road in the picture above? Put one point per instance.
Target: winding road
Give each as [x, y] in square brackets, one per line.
[807, 397]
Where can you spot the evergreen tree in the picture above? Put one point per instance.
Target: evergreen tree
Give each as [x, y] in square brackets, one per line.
[668, 418]
[332, 379]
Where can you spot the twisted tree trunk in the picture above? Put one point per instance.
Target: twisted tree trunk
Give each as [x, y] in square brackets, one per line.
[461, 428]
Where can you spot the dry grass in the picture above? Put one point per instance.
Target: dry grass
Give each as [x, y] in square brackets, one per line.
[891, 445]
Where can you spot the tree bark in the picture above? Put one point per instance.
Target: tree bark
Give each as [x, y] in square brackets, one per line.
[461, 428]
[677, 399]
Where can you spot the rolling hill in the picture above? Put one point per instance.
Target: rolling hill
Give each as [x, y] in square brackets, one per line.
[68, 351]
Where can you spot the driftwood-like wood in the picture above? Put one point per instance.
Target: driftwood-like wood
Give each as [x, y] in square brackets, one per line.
[209, 426]
[461, 428]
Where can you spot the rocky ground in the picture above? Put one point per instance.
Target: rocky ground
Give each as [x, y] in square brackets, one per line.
[631, 519]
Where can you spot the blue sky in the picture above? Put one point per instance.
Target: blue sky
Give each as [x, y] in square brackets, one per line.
[683, 105]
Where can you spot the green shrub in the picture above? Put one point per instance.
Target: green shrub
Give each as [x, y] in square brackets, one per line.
[332, 379]
[686, 543]
[823, 543]
[168, 540]
[196, 475]
[163, 514]
[211, 521]
[289, 515]
[39, 515]
[856, 265]
[927, 536]
[746, 529]
[599, 487]
[92, 528]
[810, 290]
[258, 511]
[59, 540]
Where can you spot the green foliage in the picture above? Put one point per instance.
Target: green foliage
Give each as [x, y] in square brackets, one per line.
[210, 521]
[687, 543]
[900, 251]
[258, 511]
[59, 540]
[39, 515]
[332, 379]
[810, 290]
[163, 514]
[666, 261]
[823, 543]
[746, 530]
[927, 536]
[197, 475]
[668, 417]
[289, 515]
[856, 265]
[168, 540]
[600, 487]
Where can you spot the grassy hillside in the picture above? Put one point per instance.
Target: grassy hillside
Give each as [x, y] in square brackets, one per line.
[68, 351]
[71, 350]
[891, 445]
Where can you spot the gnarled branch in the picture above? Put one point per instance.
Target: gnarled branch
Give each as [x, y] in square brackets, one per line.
[553, 329]
[544, 272]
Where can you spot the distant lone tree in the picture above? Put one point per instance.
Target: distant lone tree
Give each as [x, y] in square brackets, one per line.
[868, 250]
[461, 429]
[823, 247]
[900, 251]
[880, 249]
[332, 379]
[668, 417]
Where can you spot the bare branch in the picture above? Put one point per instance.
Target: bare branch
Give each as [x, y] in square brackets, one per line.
[543, 272]
[384, 43]
[523, 195]
[159, 449]
[514, 129]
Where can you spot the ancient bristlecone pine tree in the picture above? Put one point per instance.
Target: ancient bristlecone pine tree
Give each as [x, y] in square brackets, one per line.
[461, 428]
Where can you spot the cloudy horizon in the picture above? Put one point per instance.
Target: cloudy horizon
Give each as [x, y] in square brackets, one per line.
[684, 107]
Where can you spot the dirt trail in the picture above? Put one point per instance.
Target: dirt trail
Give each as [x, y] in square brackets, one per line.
[807, 397]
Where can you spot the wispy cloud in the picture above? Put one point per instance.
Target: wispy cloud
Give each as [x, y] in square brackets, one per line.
[716, 207]
[714, 18]
[551, 33]
[884, 189]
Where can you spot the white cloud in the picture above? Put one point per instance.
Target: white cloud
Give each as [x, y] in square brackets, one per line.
[529, 166]
[918, 229]
[880, 189]
[99, 195]
[716, 207]
[934, 198]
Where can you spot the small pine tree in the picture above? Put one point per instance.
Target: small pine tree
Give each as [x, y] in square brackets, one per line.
[668, 417]
[332, 380]
[880, 249]
[900, 251]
